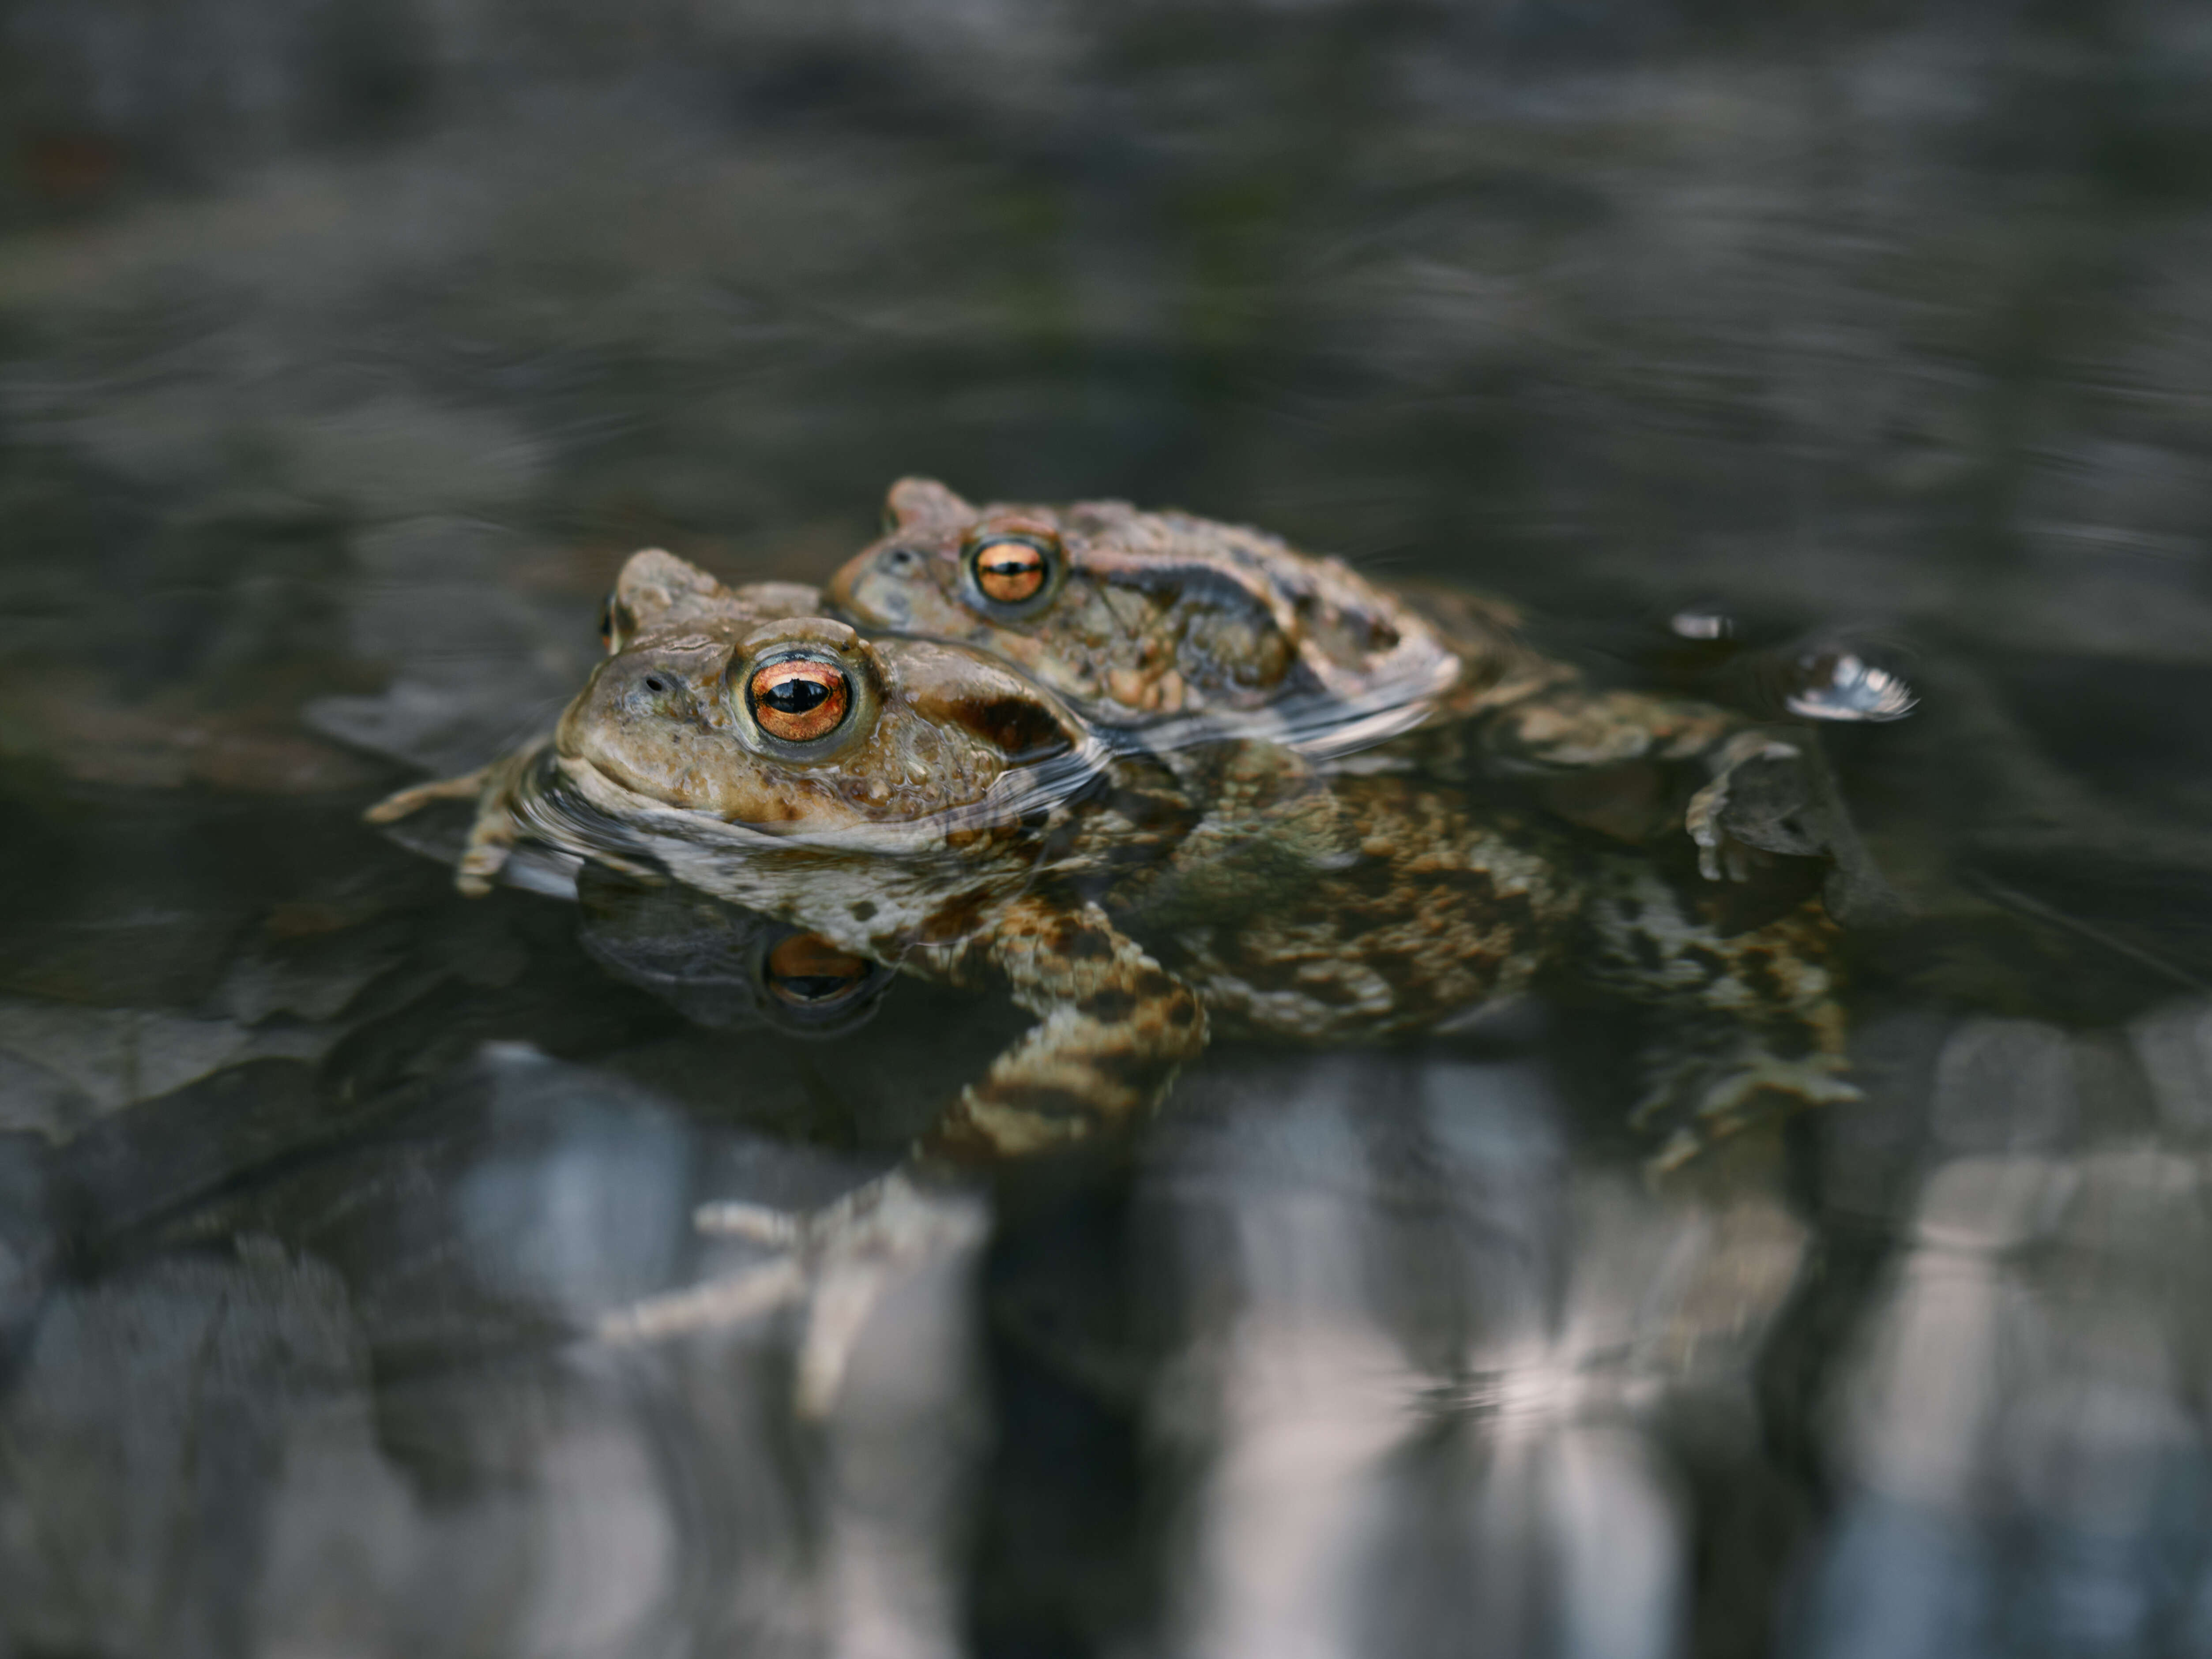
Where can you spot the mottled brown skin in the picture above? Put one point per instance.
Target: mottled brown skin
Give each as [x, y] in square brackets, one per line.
[1157, 620]
[657, 593]
[1182, 628]
[962, 825]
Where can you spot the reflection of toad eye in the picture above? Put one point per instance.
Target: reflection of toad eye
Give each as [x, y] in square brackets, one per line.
[1009, 569]
[799, 700]
[807, 971]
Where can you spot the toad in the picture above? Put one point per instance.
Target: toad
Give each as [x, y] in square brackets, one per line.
[922, 806]
[1178, 626]
[1171, 629]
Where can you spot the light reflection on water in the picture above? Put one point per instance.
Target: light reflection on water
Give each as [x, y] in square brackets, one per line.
[340, 361]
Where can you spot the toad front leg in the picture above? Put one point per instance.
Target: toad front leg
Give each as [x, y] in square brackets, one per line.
[491, 833]
[1114, 1027]
[499, 825]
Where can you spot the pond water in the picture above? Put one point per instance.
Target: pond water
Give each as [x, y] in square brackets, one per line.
[346, 351]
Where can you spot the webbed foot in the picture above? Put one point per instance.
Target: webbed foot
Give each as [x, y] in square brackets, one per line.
[402, 803]
[1761, 801]
[1698, 1103]
[492, 833]
[837, 1262]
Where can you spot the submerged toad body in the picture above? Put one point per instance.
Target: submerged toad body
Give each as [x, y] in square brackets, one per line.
[923, 806]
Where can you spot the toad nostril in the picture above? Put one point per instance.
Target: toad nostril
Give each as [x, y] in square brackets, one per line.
[655, 682]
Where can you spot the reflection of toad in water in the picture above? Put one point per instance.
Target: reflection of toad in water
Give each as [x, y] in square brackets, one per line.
[924, 807]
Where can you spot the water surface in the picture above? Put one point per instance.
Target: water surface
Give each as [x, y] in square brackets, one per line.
[344, 352]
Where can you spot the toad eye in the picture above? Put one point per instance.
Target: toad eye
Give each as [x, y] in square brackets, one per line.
[798, 699]
[1011, 569]
[807, 971]
[617, 624]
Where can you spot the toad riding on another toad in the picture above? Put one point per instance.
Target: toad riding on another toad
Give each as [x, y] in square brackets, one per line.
[1155, 779]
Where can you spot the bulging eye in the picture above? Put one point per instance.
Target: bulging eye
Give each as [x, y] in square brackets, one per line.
[807, 971]
[799, 699]
[1010, 569]
[616, 624]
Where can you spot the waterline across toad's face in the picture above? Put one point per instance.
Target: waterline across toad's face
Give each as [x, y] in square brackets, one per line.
[798, 726]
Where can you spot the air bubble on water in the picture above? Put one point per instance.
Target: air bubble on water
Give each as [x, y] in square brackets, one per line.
[1842, 685]
[1698, 622]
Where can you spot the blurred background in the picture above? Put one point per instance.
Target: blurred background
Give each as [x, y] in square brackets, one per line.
[346, 348]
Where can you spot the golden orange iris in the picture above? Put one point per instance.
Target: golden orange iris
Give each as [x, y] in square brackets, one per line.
[1009, 570]
[808, 967]
[800, 700]
[614, 625]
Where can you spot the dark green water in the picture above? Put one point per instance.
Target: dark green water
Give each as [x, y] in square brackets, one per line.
[345, 350]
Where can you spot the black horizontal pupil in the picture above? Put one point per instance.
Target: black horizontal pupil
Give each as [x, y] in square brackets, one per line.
[817, 988]
[795, 696]
[1011, 564]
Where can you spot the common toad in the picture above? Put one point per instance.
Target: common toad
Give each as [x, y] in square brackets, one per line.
[1174, 629]
[1179, 626]
[923, 806]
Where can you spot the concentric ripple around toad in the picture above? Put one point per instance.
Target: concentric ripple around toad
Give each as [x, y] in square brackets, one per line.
[923, 806]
